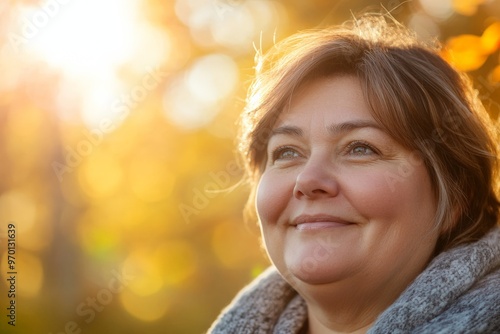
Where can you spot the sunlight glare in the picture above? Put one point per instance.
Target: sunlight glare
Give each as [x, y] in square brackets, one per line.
[88, 35]
[91, 42]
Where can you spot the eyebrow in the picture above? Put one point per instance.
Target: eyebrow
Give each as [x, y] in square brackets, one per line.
[334, 129]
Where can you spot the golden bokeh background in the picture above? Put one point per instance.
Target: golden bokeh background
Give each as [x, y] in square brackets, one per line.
[117, 135]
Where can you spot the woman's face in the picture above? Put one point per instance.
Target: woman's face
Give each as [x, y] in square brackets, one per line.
[340, 199]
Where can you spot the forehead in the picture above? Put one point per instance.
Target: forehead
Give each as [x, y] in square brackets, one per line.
[326, 101]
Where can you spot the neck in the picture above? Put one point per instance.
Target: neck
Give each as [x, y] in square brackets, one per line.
[355, 309]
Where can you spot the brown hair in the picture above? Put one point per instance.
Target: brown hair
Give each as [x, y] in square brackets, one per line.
[416, 96]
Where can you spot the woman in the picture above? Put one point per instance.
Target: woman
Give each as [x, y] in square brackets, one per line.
[374, 174]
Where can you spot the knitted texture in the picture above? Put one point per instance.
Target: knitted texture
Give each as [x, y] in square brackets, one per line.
[459, 292]
[267, 305]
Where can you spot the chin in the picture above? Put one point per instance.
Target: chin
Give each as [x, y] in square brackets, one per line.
[311, 278]
[313, 261]
[313, 272]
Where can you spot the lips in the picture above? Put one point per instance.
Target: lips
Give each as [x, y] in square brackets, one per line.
[314, 222]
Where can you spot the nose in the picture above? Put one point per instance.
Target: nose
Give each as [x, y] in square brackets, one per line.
[316, 180]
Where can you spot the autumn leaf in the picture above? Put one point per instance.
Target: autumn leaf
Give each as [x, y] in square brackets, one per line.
[465, 52]
[491, 38]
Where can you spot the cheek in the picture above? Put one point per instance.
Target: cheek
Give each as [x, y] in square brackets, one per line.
[370, 193]
[392, 193]
[273, 194]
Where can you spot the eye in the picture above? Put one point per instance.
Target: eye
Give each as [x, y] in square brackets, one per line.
[360, 148]
[284, 153]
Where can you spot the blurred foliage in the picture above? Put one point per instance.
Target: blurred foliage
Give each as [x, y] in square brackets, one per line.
[117, 127]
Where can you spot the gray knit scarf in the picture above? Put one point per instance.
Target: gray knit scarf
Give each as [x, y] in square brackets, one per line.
[459, 292]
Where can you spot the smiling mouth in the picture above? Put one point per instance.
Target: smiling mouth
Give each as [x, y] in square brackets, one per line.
[318, 225]
[318, 222]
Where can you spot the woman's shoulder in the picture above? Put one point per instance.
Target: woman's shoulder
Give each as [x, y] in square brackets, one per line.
[457, 292]
[476, 311]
